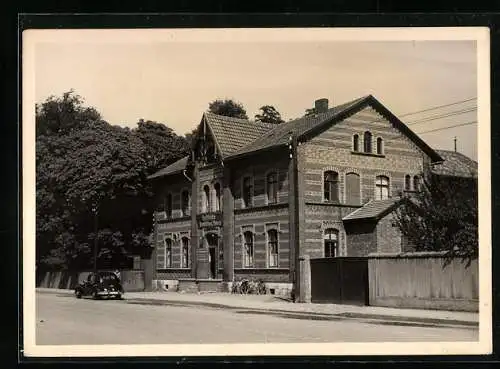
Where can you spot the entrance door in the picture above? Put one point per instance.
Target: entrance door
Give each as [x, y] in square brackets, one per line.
[212, 254]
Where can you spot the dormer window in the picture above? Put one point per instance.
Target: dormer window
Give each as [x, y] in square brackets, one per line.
[367, 140]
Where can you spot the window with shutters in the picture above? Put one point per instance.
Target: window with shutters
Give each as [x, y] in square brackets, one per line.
[353, 189]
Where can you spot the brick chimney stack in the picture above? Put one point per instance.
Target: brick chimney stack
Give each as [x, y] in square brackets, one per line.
[321, 105]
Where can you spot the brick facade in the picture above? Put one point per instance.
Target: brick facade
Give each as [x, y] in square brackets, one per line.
[300, 217]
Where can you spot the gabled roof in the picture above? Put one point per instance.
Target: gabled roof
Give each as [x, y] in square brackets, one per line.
[175, 167]
[281, 133]
[307, 127]
[373, 209]
[232, 134]
[455, 164]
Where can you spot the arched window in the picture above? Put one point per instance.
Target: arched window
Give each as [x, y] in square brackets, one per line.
[407, 182]
[185, 252]
[416, 183]
[272, 188]
[168, 205]
[331, 186]
[247, 192]
[168, 253]
[381, 188]
[355, 142]
[206, 199]
[248, 249]
[272, 248]
[353, 189]
[185, 202]
[331, 241]
[218, 197]
[380, 146]
[367, 141]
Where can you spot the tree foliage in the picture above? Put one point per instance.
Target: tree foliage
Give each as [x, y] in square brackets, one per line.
[442, 216]
[88, 170]
[310, 112]
[228, 108]
[269, 114]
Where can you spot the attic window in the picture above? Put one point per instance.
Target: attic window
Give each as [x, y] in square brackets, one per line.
[355, 143]
[367, 142]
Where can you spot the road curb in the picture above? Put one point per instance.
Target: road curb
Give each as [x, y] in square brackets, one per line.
[381, 318]
[364, 317]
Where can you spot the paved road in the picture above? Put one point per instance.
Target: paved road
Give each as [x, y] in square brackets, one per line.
[64, 320]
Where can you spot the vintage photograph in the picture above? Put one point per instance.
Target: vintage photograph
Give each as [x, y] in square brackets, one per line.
[196, 192]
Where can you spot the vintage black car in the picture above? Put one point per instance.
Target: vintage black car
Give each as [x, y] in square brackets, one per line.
[99, 285]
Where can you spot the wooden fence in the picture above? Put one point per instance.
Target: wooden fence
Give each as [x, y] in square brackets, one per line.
[421, 281]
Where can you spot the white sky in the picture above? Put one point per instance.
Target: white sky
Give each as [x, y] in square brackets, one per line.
[170, 81]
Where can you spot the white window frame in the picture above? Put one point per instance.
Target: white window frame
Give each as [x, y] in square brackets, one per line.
[389, 186]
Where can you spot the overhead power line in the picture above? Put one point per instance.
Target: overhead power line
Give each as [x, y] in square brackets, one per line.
[448, 127]
[438, 107]
[445, 115]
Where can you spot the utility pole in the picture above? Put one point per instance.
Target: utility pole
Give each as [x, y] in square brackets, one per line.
[95, 211]
[455, 142]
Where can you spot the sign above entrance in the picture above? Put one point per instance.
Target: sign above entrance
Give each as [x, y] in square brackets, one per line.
[210, 220]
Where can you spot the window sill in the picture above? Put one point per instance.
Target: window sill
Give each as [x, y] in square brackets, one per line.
[326, 203]
[172, 269]
[261, 207]
[368, 154]
[175, 219]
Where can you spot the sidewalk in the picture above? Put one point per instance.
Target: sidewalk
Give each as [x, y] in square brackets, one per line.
[274, 305]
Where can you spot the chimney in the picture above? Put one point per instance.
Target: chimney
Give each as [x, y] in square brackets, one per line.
[321, 105]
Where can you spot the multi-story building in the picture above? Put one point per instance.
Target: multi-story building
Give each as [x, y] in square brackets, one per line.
[253, 197]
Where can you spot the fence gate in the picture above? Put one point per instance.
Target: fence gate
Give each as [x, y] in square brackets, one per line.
[342, 280]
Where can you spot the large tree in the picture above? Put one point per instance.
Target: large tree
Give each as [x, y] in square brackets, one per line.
[442, 216]
[269, 114]
[92, 175]
[161, 145]
[228, 107]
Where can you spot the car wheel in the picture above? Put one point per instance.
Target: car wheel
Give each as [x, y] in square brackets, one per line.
[78, 294]
[95, 295]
